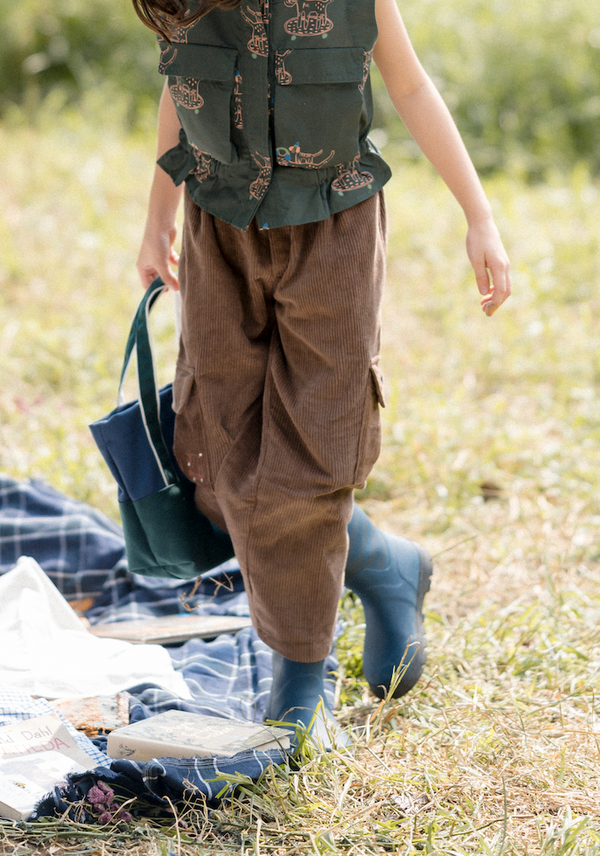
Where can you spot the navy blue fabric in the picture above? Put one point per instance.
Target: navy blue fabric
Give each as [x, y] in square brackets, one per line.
[125, 448]
[122, 435]
[157, 782]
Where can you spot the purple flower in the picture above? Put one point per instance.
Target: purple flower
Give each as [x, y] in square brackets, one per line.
[102, 799]
[109, 794]
[95, 795]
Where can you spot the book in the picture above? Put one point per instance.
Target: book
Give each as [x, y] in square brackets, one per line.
[35, 755]
[170, 629]
[179, 734]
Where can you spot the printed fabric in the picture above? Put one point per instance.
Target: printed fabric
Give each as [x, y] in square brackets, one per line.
[274, 100]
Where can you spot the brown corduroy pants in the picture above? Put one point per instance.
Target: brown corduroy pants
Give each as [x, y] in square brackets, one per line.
[277, 394]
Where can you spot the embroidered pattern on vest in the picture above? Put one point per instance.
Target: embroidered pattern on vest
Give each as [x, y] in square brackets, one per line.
[368, 56]
[260, 185]
[185, 92]
[351, 178]
[203, 160]
[238, 120]
[180, 33]
[293, 156]
[168, 54]
[258, 44]
[284, 78]
[311, 18]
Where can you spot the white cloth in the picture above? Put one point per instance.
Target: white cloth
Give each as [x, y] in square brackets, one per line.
[46, 651]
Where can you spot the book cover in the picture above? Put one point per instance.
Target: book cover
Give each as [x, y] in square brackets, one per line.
[35, 755]
[169, 629]
[179, 734]
[95, 714]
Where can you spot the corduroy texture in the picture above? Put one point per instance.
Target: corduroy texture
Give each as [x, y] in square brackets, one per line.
[277, 395]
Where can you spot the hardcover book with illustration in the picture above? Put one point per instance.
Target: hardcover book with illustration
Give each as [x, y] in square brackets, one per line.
[179, 734]
[35, 755]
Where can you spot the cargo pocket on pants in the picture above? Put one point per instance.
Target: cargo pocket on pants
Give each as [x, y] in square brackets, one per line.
[369, 445]
[189, 445]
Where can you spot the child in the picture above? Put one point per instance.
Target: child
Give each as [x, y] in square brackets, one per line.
[265, 116]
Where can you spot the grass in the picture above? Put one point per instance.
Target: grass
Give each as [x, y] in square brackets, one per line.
[490, 459]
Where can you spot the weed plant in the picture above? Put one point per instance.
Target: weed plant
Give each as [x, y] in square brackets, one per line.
[490, 459]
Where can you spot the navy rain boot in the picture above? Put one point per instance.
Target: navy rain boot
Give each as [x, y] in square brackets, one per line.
[296, 693]
[391, 576]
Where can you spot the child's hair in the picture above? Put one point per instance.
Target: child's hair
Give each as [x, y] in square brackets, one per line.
[163, 16]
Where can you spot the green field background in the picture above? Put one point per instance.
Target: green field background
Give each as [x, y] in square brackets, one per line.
[522, 78]
[491, 452]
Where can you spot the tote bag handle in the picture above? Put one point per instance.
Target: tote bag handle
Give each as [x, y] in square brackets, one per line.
[139, 344]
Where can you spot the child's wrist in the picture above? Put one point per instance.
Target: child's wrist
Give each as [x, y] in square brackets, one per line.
[159, 222]
[479, 218]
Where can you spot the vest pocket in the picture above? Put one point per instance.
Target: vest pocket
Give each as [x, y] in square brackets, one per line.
[201, 81]
[318, 106]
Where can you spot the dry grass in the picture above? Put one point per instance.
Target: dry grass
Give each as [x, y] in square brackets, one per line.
[491, 457]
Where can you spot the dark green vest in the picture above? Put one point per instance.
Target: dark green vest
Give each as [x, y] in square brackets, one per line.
[275, 105]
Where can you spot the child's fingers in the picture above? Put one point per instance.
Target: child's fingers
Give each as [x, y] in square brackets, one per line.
[149, 272]
[147, 275]
[490, 264]
[482, 277]
[500, 271]
[501, 287]
[169, 278]
[157, 255]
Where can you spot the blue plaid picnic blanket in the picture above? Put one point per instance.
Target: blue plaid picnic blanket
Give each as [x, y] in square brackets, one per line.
[83, 553]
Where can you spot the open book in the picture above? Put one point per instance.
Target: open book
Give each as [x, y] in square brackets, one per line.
[35, 755]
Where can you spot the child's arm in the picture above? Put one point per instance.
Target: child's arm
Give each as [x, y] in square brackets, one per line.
[156, 253]
[424, 113]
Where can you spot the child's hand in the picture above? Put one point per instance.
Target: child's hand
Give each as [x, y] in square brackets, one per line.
[157, 255]
[488, 257]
